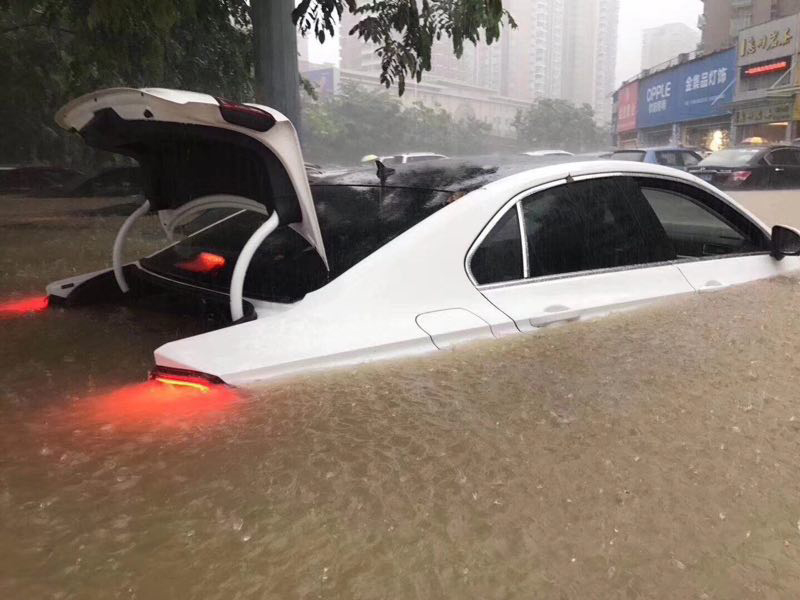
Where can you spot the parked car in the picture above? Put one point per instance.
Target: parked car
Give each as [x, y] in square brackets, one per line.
[540, 153]
[36, 179]
[752, 168]
[677, 158]
[352, 270]
[410, 157]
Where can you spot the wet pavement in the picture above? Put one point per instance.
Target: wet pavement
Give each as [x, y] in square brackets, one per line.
[647, 455]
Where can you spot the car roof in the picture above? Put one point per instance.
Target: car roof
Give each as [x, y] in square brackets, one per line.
[449, 174]
[657, 149]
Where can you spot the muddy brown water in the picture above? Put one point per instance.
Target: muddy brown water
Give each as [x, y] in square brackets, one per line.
[648, 455]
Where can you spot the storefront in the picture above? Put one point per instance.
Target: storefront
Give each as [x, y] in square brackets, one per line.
[765, 103]
[627, 112]
[689, 105]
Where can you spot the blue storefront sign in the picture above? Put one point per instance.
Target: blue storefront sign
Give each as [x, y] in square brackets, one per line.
[701, 89]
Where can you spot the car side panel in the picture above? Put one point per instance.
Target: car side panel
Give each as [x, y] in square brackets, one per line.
[538, 303]
[710, 275]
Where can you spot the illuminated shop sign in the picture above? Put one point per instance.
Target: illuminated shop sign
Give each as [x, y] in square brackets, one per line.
[773, 67]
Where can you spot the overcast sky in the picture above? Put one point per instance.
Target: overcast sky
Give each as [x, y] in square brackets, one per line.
[635, 15]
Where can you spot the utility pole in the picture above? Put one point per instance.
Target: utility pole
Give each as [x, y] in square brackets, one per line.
[275, 46]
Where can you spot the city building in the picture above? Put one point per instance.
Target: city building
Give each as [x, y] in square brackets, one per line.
[766, 101]
[689, 103]
[660, 44]
[722, 20]
[559, 49]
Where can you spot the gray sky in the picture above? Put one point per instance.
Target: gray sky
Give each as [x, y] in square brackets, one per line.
[635, 15]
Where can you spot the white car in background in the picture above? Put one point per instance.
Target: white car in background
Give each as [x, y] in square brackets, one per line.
[541, 153]
[354, 269]
[404, 159]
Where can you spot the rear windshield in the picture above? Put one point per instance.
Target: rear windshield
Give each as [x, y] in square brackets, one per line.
[733, 157]
[634, 155]
[355, 222]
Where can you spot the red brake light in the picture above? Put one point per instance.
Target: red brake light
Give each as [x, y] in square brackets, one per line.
[205, 262]
[740, 176]
[246, 116]
[24, 306]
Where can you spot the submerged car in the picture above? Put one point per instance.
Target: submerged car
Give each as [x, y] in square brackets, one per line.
[677, 158]
[752, 168]
[361, 267]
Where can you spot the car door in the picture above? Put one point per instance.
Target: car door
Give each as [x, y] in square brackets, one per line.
[584, 253]
[716, 245]
[784, 168]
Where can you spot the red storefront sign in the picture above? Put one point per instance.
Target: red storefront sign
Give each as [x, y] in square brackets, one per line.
[628, 107]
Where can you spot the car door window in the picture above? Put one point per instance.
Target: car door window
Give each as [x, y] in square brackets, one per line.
[590, 225]
[783, 157]
[499, 257]
[690, 159]
[696, 229]
[669, 159]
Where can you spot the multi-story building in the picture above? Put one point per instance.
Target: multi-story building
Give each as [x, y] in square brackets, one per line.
[559, 49]
[722, 20]
[663, 43]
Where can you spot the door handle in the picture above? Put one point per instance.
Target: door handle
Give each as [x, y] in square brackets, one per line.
[779, 170]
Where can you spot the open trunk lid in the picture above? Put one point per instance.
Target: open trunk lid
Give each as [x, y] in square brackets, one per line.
[193, 146]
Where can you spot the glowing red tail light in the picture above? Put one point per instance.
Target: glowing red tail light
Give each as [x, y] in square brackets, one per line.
[24, 306]
[246, 116]
[205, 262]
[740, 176]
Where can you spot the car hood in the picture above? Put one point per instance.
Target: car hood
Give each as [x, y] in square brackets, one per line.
[192, 145]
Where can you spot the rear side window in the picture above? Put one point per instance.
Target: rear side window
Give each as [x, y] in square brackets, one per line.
[590, 225]
[499, 257]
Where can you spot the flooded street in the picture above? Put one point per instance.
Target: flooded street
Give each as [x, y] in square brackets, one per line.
[647, 455]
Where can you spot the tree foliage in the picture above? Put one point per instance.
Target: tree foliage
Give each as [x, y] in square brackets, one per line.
[404, 31]
[57, 49]
[54, 50]
[555, 123]
[341, 129]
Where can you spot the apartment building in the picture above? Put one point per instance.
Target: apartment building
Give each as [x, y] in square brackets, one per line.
[663, 43]
[722, 20]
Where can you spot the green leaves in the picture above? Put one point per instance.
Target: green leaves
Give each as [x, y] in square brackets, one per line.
[55, 50]
[404, 31]
[357, 122]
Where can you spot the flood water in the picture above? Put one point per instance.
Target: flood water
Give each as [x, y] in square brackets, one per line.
[648, 455]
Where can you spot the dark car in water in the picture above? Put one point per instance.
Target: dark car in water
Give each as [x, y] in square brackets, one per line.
[752, 168]
[111, 182]
[35, 179]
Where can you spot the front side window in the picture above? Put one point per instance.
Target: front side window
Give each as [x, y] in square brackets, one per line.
[690, 159]
[698, 226]
[669, 159]
[499, 257]
[783, 157]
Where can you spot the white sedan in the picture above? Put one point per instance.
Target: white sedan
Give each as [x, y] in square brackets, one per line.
[367, 266]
